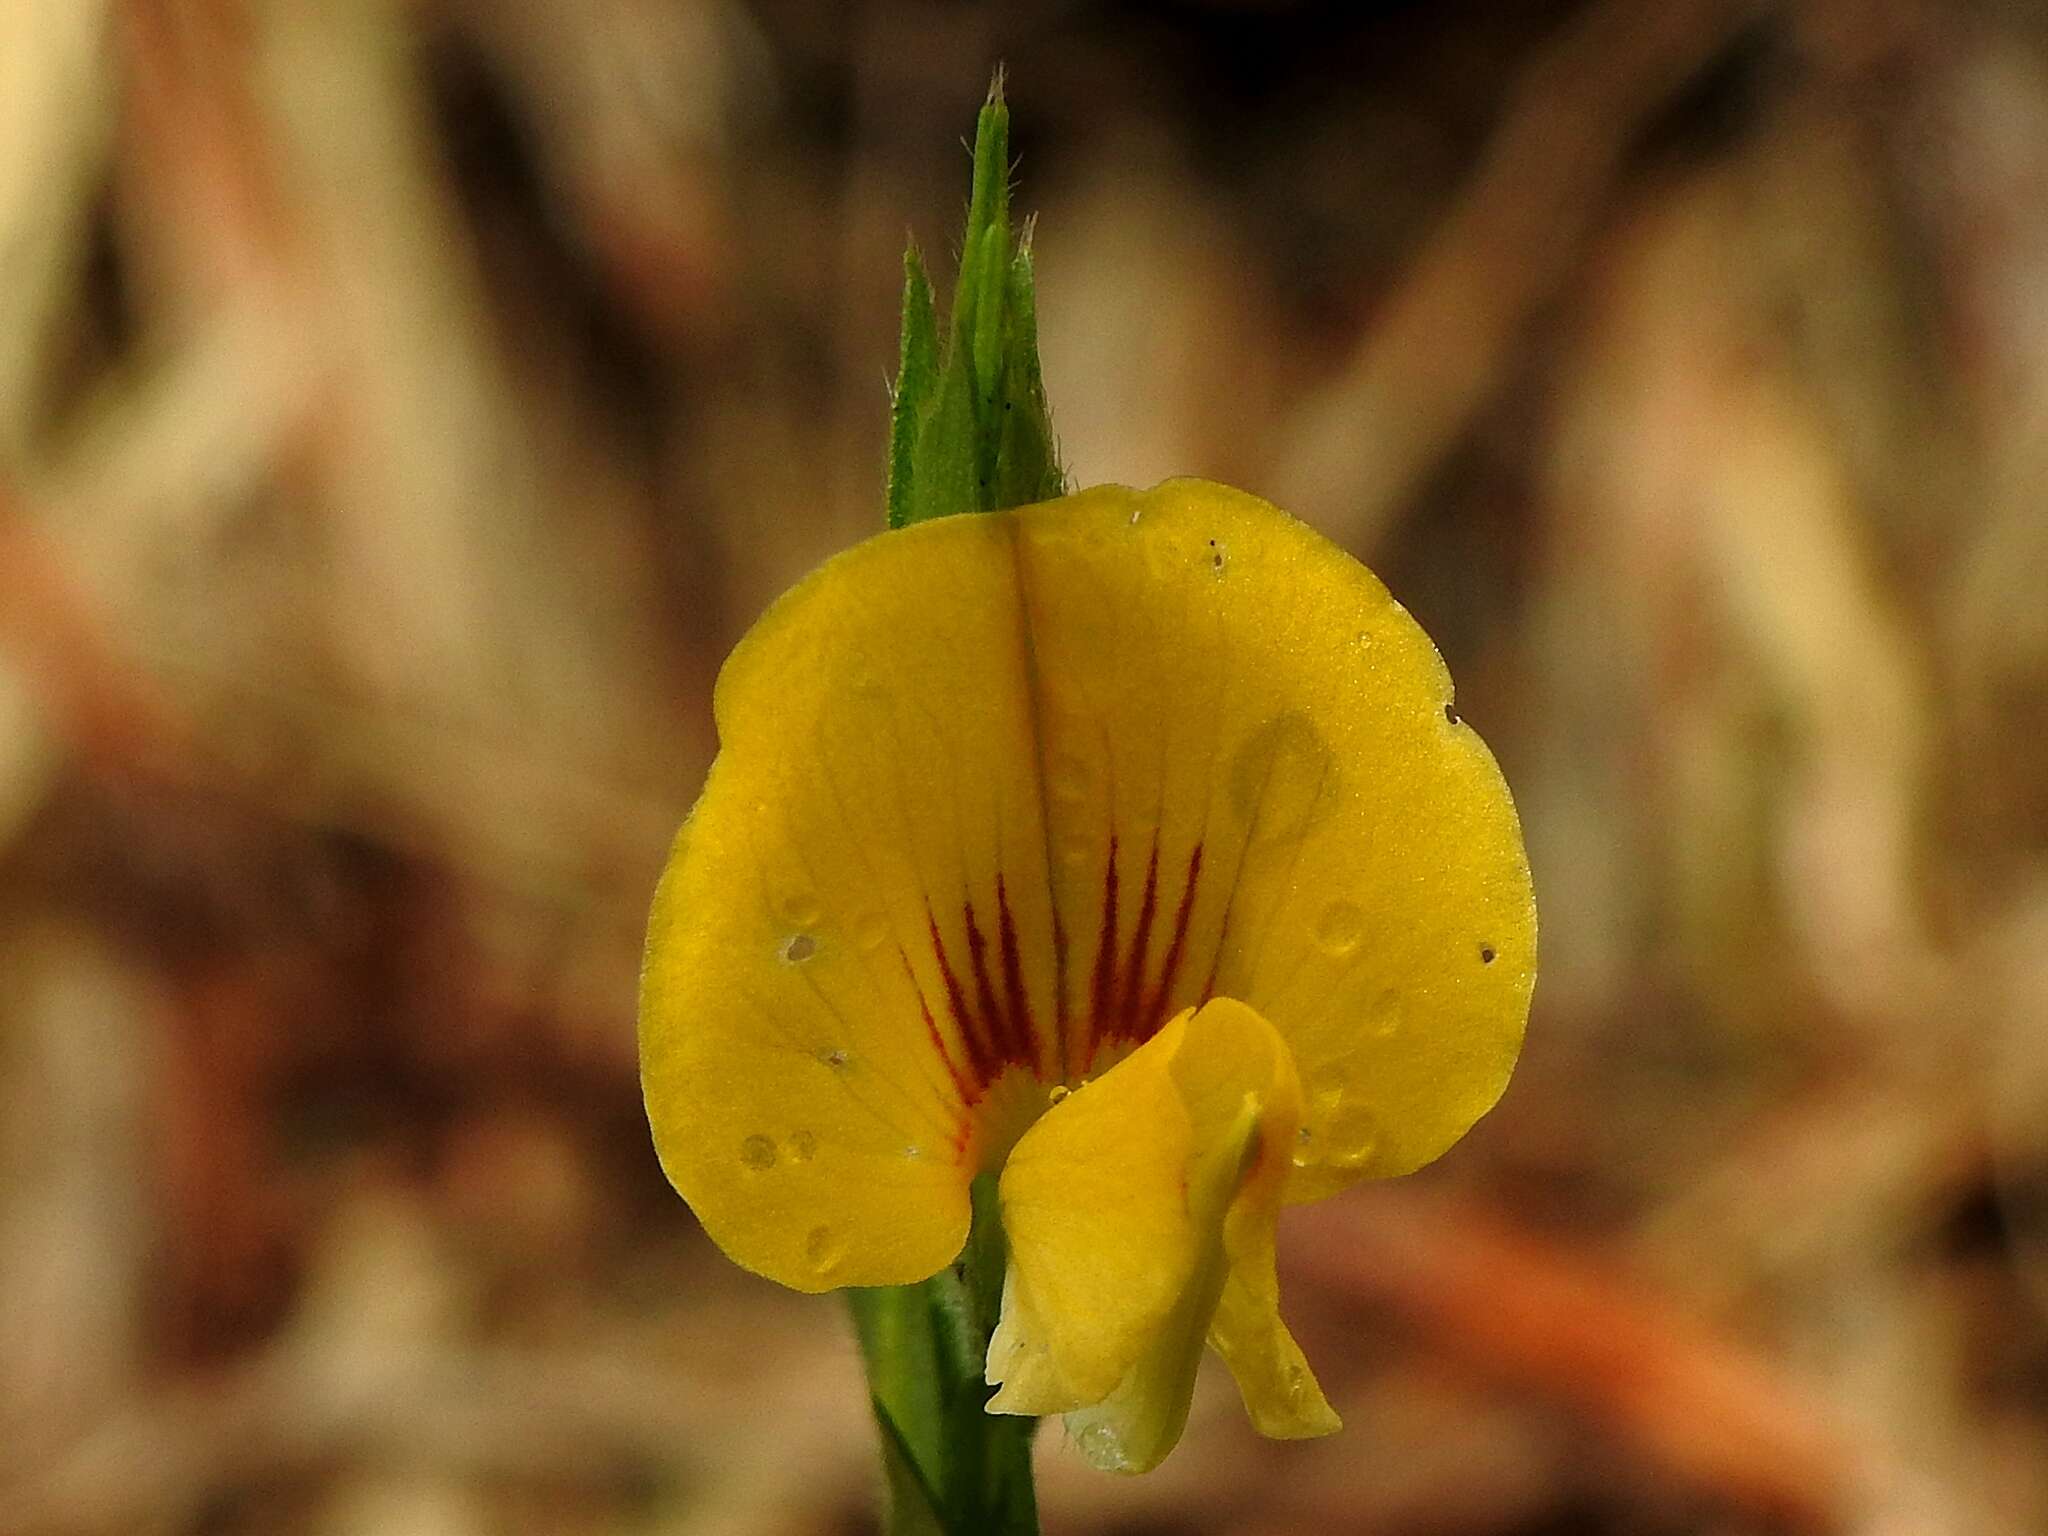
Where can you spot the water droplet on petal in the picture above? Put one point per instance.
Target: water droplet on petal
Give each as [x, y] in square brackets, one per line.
[1347, 1159]
[1103, 1448]
[1283, 778]
[835, 1059]
[1340, 928]
[803, 1146]
[912, 1154]
[870, 932]
[1383, 1019]
[823, 1248]
[758, 1153]
[1067, 779]
[799, 908]
[798, 948]
[1059, 1091]
[1346, 1133]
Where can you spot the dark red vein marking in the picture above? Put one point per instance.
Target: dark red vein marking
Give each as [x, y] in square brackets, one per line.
[1176, 949]
[1102, 985]
[1059, 993]
[990, 1006]
[997, 1026]
[931, 1028]
[995, 1031]
[1128, 1022]
[980, 1055]
[1024, 1028]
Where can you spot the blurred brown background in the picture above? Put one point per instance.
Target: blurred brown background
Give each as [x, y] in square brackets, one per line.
[404, 405]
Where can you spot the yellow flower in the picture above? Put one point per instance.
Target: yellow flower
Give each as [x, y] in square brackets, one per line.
[1126, 844]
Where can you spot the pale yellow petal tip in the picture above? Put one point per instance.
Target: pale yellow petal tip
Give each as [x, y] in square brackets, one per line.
[1020, 1365]
[1101, 1242]
[1140, 1212]
[1280, 1391]
[1307, 1422]
[1310, 1422]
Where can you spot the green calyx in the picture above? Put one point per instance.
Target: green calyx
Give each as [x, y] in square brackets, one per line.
[970, 430]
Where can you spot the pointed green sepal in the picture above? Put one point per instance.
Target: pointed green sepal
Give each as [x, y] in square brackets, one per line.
[970, 432]
[1027, 461]
[917, 381]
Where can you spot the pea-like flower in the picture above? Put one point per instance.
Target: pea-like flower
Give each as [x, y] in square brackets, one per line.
[1126, 845]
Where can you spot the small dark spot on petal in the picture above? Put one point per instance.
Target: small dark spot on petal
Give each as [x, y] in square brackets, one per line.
[1486, 954]
[801, 947]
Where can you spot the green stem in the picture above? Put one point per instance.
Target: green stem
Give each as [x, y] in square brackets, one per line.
[954, 1469]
